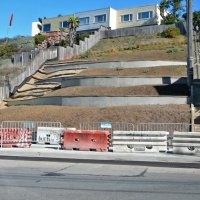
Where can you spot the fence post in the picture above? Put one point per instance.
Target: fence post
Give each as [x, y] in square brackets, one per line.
[1, 137]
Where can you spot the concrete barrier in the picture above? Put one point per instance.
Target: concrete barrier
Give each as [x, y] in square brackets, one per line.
[186, 142]
[142, 141]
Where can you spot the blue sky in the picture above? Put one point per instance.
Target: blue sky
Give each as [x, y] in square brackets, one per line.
[27, 11]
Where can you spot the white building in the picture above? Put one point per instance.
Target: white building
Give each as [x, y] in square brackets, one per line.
[108, 17]
[35, 29]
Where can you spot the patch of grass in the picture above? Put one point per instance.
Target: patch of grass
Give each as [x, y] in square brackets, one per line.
[119, 68]
[174, 49]
[87, 54]
[11, 72]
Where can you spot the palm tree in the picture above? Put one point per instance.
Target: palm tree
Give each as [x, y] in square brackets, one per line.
[73, 23]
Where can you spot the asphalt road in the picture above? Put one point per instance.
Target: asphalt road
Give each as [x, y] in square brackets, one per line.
[30, 180]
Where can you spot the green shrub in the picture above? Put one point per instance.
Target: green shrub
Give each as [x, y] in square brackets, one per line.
[40, 38]
[86, 54]
[119, 68]
[7, 50]
[171, 32]
[172, 50]
[82, 36]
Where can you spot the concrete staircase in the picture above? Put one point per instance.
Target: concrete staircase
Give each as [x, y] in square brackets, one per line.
[43, 81]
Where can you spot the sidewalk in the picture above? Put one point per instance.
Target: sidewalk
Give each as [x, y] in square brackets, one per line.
[145, 159]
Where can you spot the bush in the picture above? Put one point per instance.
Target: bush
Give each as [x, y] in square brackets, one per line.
[172, 50]
[7, 50]
[82, 36]
[40, 38]
[171, 32]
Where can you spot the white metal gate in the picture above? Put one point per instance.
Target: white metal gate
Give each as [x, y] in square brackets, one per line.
[31, 126]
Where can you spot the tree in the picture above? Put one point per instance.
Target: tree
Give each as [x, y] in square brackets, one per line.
[196, 21]
[73, 23]
[170, 11]
[40, 24]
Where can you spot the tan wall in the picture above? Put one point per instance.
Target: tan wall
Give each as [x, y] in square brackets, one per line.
[115, 18]
[55, 22]
[134, 12]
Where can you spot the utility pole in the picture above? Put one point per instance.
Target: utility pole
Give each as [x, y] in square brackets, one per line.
[190, 42]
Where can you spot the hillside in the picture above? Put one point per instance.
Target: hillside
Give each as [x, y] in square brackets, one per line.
[138, 48]
[9, 46]
[48, 82]
[21, 42]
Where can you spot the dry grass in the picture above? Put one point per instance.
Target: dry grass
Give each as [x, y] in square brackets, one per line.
[140, 55]
[145, 90]
[177, 71]
[119, 49]
[73, 116]
[139, 48]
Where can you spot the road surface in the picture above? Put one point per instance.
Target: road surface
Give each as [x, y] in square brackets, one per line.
[31, 180]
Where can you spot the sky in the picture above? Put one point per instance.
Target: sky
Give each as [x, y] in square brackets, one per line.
[27, 11]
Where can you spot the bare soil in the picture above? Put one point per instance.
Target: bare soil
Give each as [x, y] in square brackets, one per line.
[73, 116]
[145, 90]
[176, 71]
[121, 49]
[140, 55]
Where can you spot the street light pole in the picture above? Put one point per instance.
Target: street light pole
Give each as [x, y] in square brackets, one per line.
[190, 42]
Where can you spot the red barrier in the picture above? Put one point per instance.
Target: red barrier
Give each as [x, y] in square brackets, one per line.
[15, 137]
[86, 140]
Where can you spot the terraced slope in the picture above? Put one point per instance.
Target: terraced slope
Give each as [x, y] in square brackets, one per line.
[47, 83]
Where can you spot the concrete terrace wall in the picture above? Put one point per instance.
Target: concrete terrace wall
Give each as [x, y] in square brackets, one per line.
[99, 101]
[130, 64]
[118, 81]
[121, 81]
[11, 84]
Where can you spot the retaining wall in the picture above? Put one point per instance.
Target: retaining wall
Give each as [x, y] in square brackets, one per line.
[107, 101]
[121, 81]
[129, 64]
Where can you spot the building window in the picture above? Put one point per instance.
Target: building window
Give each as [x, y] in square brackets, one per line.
[46, 27]
[126, 18]
[84, 20]
[63, 24]
[100, 18]
[145, 15]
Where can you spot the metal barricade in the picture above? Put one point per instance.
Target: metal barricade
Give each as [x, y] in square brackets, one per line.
[169, 127]
[32, 126]
[123, 126]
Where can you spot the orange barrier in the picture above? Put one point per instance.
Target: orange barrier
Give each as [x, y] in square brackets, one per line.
[86, 140]
[15, 137]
